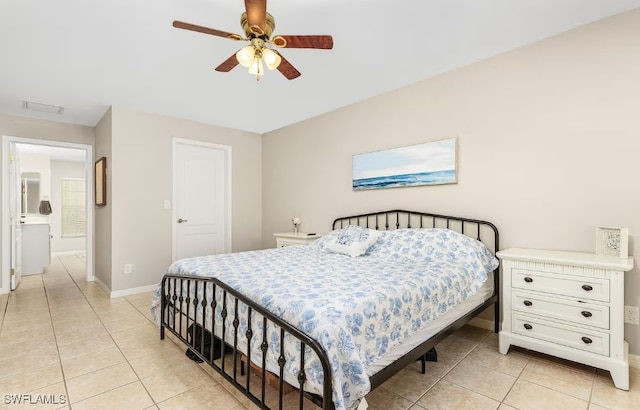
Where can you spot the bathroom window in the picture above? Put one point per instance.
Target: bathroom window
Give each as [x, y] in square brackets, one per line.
[74, 212]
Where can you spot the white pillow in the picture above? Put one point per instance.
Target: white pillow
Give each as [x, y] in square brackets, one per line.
[352, 240]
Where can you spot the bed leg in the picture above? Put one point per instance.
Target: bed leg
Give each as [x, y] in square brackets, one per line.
[161, 332]
[496, 318]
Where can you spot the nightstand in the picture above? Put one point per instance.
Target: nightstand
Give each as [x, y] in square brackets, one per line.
[566, 304]
[291, 238]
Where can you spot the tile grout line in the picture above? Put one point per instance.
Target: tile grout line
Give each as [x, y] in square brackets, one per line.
[55, 339]
[116, 343]
[112, 339]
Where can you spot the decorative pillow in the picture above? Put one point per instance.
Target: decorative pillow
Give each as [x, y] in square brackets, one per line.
[352, 240]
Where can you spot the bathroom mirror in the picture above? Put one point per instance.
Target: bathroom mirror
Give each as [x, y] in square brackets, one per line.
[30, 192]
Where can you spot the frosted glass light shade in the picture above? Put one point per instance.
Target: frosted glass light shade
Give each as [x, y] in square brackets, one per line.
[271, 58]
[256, 67]
[245, 56]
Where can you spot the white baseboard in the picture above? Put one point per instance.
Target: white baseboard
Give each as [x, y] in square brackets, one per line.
[102, 286]
[124, 292]
[634, 359]
[132, 291]
[62, 253]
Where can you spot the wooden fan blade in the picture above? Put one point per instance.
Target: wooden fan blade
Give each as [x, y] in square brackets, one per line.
[256, 13]
[287, 69]
[321, 42]
[205, 30]
[228, 64]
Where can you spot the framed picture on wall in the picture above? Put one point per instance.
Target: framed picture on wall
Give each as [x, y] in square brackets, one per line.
[612, 241]
[101, 181]
[429, 163]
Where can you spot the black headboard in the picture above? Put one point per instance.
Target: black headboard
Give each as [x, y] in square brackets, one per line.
[484, 231]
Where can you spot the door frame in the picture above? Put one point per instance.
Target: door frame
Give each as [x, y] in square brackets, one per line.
[226, 149]
[6, 228]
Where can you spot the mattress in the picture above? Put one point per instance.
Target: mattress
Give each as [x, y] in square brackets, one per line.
[364, 311]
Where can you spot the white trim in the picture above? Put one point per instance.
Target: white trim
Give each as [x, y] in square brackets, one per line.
[102, 286]
[6, 231]
[132, 291]
[227, 150]
[63, 253]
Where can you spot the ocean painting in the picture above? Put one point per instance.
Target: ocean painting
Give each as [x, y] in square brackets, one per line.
[431, 163]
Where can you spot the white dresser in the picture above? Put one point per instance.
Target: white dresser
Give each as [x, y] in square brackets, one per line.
[297, 238]
[566, 304]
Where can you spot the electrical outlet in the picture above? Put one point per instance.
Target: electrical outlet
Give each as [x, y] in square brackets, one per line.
[631, 314]
[128, 268]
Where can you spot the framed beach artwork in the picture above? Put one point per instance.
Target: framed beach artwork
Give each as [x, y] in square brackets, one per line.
[430, 163]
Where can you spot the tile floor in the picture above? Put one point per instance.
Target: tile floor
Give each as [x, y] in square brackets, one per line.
[62, 339]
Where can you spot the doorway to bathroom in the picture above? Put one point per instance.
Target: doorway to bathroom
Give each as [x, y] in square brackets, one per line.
[47, 207]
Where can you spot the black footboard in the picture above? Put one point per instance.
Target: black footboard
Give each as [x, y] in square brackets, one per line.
[204, 314]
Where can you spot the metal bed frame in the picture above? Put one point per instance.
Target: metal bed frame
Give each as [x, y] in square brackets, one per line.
[178, 316]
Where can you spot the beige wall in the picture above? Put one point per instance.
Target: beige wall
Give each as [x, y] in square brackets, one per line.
[548, 140]
[140, 174]
[102, 215]
[44, 130]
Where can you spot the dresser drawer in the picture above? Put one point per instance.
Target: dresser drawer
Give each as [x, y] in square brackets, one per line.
[566, 285]
[589, 340]
[578, 313]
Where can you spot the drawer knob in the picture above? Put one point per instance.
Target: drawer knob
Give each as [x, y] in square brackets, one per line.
[529, 327]
[588, 288]
[586, 313]
[528, 279]
[528, 303]
[586, 340]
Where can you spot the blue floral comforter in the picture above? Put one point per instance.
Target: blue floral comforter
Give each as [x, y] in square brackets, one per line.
[357, 308]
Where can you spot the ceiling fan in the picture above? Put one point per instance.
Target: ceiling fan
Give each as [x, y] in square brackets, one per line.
[258, 26]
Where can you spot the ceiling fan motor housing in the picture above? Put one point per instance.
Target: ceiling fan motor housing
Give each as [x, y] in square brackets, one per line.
[269, 26]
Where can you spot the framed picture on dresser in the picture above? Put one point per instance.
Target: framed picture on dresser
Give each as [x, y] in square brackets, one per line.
[612, 241]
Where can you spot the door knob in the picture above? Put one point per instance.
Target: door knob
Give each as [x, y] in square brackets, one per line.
[180, 220]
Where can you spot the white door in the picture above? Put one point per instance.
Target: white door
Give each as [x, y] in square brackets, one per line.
[15, 198]
[202, 199]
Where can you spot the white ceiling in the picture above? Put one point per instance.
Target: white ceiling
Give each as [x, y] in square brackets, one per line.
[87, 55]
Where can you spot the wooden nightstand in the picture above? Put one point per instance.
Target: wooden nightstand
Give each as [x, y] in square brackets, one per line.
[290, 238]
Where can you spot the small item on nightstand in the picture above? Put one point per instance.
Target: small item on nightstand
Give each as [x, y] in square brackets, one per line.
[296, 223]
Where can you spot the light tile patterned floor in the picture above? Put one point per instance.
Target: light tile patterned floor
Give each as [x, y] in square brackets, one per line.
[63, 339]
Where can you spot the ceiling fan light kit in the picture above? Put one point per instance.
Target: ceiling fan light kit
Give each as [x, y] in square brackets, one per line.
[258, 25]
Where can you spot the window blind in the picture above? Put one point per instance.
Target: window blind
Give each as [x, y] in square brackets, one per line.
[74, 222]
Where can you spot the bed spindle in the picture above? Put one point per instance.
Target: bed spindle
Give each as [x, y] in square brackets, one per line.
[249, 335]
[223, 314]
[214, 305]
[264, 346]
[302, 377]
[281, 362]
[235, 323]
[180, 299]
